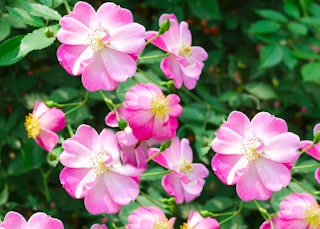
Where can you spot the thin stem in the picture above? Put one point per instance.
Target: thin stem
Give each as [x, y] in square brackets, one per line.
[153, 56]
[156, 173]
[152, 200]
[149, 77]
[45, 185]
[305, 166]
[66, 5]
[79, 104]
[317, 193]
[307, 148]
[262, 210]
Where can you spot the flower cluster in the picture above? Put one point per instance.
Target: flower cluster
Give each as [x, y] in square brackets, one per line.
[105, 167]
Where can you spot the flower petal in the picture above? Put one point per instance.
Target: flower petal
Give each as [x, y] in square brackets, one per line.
[75, 155]
[40, 220]
[53, 119]
[317, 175]
[171, 69]
[314, 151]
[13, 220]
[185, 34]
[47, 139]
[239, 123]
[172, 185]
[72, 32]
[250, 186]
[87, 136]
[273, 175]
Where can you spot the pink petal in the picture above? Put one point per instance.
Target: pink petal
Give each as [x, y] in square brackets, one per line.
[72, 32]
[74, 58]
[267, 126]
[185, 151]
[282, 148]
[53, 119]
[172, 185]
[198, 54]
[87, 136]
[164, 131]
[316, 129]
[112, 16]
[75, 155]
[239, 123]
[85, 14]
[222, 165]
[192, 189]
[185, 34]
[120, 66]
[39, 109]
[273, 175]
[199, 171]
[250, 186]
[96, 76]
[172, 36]
[171, 69]
[98, 199]
[159, 42]
[98, 226]
[13, 220]
[41, 220]
[47, 139]
[160, 159]
[72, 181]
[175, 107]
[288, 224]
[122, 189]
[126, 137]
[111, 118]
[314, 151]
[227, 141]
[129, 38]
[317, 175]
[109, 143]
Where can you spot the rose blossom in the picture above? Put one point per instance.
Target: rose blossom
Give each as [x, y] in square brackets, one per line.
[185, 62]
[93, 171]
[196, 221]
[42, 124]
[299, 211]
[150, 113]
[186, 180]
[149, 217]
[102, 46]
[267, 224]
[98, 226]
[256, 156]
[39, 220]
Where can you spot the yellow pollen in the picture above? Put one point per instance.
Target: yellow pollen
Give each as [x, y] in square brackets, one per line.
[101, 162]
[185, 226]
[160, 107]
[162, 223]
[185, 50]
[95, 39]
[250, 149]
[186, 167]
[312, 215]
[32, 126]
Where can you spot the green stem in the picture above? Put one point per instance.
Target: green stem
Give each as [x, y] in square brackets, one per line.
[152, 200]
[304, 150]
[78, 104]
[66, 5]
[153, 56]
[45, 185]
[149, 77]
[316, 193]
[262, 210]
[156, 173]
[305, 166]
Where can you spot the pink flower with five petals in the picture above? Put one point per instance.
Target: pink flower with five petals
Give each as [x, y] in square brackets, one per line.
[256, 156]
[185, 62]
[196, 221]
[93, 171]
[102, 46]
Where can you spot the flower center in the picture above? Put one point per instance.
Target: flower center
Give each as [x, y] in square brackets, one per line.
[101, 162]
[96, 38]
[160, 107]
[32, 126]
[252, 148]
[186, 167]
[185, 50]
[313, 216]
[185, 226]
[162, 223]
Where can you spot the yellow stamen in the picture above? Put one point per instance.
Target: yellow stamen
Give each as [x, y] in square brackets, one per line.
[185, 50]
[101, 162]
[160, 107]
[186, 167]
[313, 216]
[32, 126]
[185, 226]
[95, 39]
[249, 149]
[162, 223]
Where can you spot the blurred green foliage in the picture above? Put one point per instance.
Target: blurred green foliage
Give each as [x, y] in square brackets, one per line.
[263, 55]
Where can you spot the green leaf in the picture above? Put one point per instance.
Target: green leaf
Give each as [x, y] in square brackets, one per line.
[162, 4]
[270, 55]
[4, 28]
[10, 50]
[306, 55]
[288, 59]
[272, 15]
[64, 94]
[277, 197]
[205, 9]
[298, 28]
[38, 39]
[4, 196]
[311, 72]
[291, 8]
[52, 3]
[310, 21]
[265, 26]
[218, 204]
[25, 17]
[39, 10]
[261, 90]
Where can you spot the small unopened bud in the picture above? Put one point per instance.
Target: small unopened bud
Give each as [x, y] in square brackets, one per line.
[51, 104]
[164, 26]
[316, 139]
[49, 33]
[122, 124]
[165, 145]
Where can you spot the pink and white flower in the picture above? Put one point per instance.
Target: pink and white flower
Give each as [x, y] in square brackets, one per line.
[257, 156]
[271, 224]
[150, 113]
[149, 217]
[102, 46]
[185, 62]
[43, 123]
[98, 226]
[196, 221]
[299, 211]
[93, 171]
[39, 220]
[186, 180]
